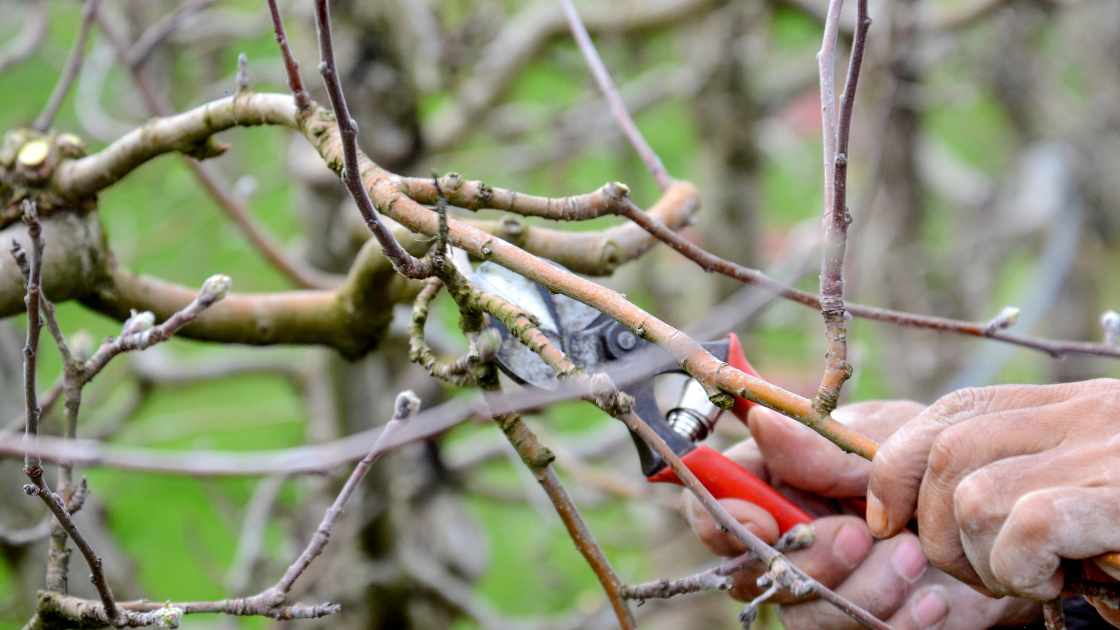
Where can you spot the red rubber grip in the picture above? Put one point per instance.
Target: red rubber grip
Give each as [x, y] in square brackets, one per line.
[727, 480]
[737, 359]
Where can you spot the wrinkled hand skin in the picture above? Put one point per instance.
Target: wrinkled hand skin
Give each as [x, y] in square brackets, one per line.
[1005, 482]
[890, 577]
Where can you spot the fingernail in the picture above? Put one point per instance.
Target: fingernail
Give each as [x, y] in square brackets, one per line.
[908, 560]
[931, 609]
[851, 545]
[876, 515]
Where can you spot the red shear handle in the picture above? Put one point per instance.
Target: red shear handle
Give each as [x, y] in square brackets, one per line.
[727, 480]
[737, 359]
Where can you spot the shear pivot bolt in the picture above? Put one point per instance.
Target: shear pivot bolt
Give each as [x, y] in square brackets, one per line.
[627, 340]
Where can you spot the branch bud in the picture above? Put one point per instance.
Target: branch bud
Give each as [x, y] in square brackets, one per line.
[214, 289]
[138, 322]
[242, 72]
[1110, 324]
[407, 405]
[169, 616]
[1005, 319]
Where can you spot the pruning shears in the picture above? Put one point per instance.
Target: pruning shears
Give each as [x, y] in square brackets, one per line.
[592, 339]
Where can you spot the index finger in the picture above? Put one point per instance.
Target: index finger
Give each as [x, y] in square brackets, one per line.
[802, 458]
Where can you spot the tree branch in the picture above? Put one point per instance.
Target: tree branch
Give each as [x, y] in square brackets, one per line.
[836, 133]
[73, 64]
[295, 81]
[33, 468]
[404, 262]
[614, 99]
[522, 39]
[299, 273]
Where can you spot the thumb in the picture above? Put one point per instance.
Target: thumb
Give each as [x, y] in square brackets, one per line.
[801, 458]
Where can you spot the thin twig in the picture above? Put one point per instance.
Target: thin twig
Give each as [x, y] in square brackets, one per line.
[38, 487]
[536, 457]
[539, 461]
[73, 64]
[34, 273]
[406, 406]
[270, 602]
[404, 262]
[614, 99]
[710, 262]
[295, 81]
[141, 613]
[32, 464]
[664, 589]
[836, 133]
[143, 334]
[461, 371]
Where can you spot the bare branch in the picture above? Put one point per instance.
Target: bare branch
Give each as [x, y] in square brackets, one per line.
[33, 270]
[407, 404]
[143, 334]
[664, 589]
[295, 81]
[522, 39]
[141, 613]
[38, 487]
[770, 557]
[536, 457]
[477, 195]
[607, 397]
[73, 65]
[404, 262]
[836, 134]
[614, 99]
[299, 273]
[463, 371]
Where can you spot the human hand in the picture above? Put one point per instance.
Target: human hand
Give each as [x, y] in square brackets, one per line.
[1006, 482]
[888, 578]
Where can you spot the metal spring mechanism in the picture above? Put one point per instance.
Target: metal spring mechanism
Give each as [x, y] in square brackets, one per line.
[695, 416]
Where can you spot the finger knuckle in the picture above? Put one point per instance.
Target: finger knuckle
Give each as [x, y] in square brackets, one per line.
[971, 399]
[975, 503]
[1034, 520]
[946, 454]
